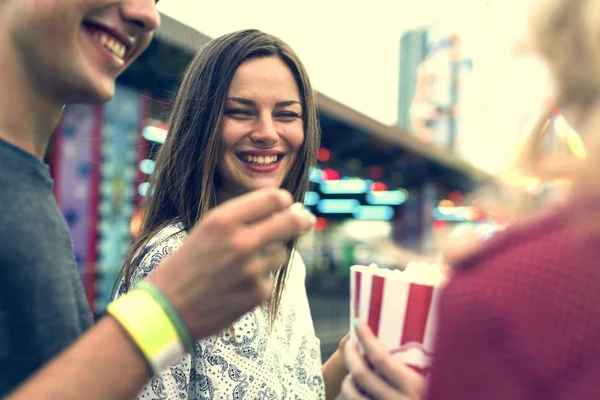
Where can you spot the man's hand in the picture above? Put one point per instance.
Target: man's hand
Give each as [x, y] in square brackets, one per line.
[224, 268]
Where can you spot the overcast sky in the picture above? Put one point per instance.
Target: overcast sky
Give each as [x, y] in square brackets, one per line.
[351, 48]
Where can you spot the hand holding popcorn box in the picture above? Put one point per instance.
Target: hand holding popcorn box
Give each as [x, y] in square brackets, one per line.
[400, 307]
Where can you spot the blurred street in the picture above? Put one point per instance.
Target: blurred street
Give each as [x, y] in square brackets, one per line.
[332, 321]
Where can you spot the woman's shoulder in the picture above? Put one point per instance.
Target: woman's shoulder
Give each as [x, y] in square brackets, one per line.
[532, 291]
[297, 268]
[168, 233]
[161, 245]
[164, 242]
[539, 277]
[555, 249]
[554, 244]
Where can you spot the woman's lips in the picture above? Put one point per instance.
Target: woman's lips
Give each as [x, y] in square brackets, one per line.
[261, 163]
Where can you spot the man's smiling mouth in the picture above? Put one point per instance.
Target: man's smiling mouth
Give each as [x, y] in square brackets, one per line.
[108, 40]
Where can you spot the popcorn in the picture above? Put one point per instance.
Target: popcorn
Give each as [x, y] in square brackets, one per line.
[400, 307]
[424, 274]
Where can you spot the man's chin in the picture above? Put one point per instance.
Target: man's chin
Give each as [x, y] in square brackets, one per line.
[92, 95]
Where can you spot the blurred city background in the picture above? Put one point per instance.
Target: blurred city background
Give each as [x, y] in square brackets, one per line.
[414, 106]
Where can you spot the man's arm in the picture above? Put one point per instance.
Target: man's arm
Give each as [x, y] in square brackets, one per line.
[221, 272]
[103, 364]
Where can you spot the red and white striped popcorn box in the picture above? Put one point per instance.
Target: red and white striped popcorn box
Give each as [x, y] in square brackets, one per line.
[401, 310]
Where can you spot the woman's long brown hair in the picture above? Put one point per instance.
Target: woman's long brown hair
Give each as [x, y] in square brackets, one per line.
[183, 185]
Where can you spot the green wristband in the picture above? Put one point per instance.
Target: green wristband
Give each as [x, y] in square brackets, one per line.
[182, 330]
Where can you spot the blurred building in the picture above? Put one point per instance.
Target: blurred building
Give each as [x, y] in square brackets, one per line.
[414, 46]
[434, 84]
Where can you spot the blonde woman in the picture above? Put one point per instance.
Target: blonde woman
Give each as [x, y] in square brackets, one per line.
[520, 318]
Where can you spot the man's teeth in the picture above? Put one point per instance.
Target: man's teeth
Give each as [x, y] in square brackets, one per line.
[260, 160]
[111, 44]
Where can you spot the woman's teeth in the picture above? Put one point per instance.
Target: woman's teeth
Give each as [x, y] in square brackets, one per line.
[260, 160]
[111, 44]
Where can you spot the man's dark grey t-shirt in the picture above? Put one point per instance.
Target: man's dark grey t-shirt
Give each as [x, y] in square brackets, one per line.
[43, 308]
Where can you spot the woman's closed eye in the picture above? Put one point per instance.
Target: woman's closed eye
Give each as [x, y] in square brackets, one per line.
[239, 113]
[287, 116]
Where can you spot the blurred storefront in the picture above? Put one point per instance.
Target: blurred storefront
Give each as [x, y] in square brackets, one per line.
[375, 185]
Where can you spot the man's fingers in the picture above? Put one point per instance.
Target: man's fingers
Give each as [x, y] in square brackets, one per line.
[281, 226]
[257, 278]
[273, 257]
[255, 205]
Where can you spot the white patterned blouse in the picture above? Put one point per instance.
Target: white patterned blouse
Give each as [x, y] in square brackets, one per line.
[253, 364]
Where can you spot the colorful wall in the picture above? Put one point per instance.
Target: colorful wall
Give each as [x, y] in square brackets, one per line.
[94, 160]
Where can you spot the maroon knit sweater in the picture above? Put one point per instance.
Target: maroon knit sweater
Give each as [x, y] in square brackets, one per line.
[521, 318]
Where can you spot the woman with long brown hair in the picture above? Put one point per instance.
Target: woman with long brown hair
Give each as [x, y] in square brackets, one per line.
[244, 118]
[520, 318]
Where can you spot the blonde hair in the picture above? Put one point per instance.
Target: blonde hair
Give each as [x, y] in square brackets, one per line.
[567, 35]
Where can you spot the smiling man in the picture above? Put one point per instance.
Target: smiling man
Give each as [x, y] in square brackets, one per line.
[53, 52]
[57, 52]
